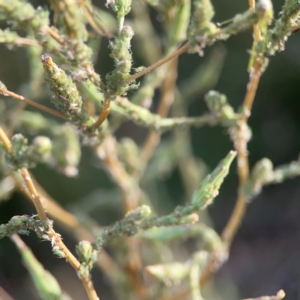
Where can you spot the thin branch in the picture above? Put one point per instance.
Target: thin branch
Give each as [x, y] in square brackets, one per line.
[42, 215]
[144, 117]
[58, 213]
[27, 180]
[5, 140]
[55, 36]
[279, 296]
[104, 114]
[221, 34]
[6, 92]
[53, 209]
[243, 169]
[89, 69]
[242, 158]
[131, 194]
[166, 101]
[252, 85]
[256, 32]
[295, 28]
[241, 203]
[27, 42]
[176, 53]
[4, 295]
[34, 195]
[90, 17]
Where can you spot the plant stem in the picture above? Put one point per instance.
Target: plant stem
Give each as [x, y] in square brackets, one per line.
[241, 203]
[4, 295]
[104, 114]
[295, 28]
[256, 33]
[131, 194]
[176, 53]
[89, 69]
[55, 36]
[65, 218]
[52, 207]
[166, 101]
[243, 170]
[89, 15]
[27, 42]
[5, 140]
[252, 86]
[34, 195]
[6, 92]
[42, 215]
[242, 159]
[27, 180]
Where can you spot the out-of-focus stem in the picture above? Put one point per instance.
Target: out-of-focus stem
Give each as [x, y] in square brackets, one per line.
[89, 15]
[166, 101]
[55, 36]
[4, 295]
[131, 193]
[145, 33]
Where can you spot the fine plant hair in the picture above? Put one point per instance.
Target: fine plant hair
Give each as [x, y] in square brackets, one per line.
[84, 109]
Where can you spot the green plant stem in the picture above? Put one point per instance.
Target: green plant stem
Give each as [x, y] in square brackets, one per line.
[144, 117]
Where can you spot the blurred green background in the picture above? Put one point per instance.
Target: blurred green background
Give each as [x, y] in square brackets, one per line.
[265, 254]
